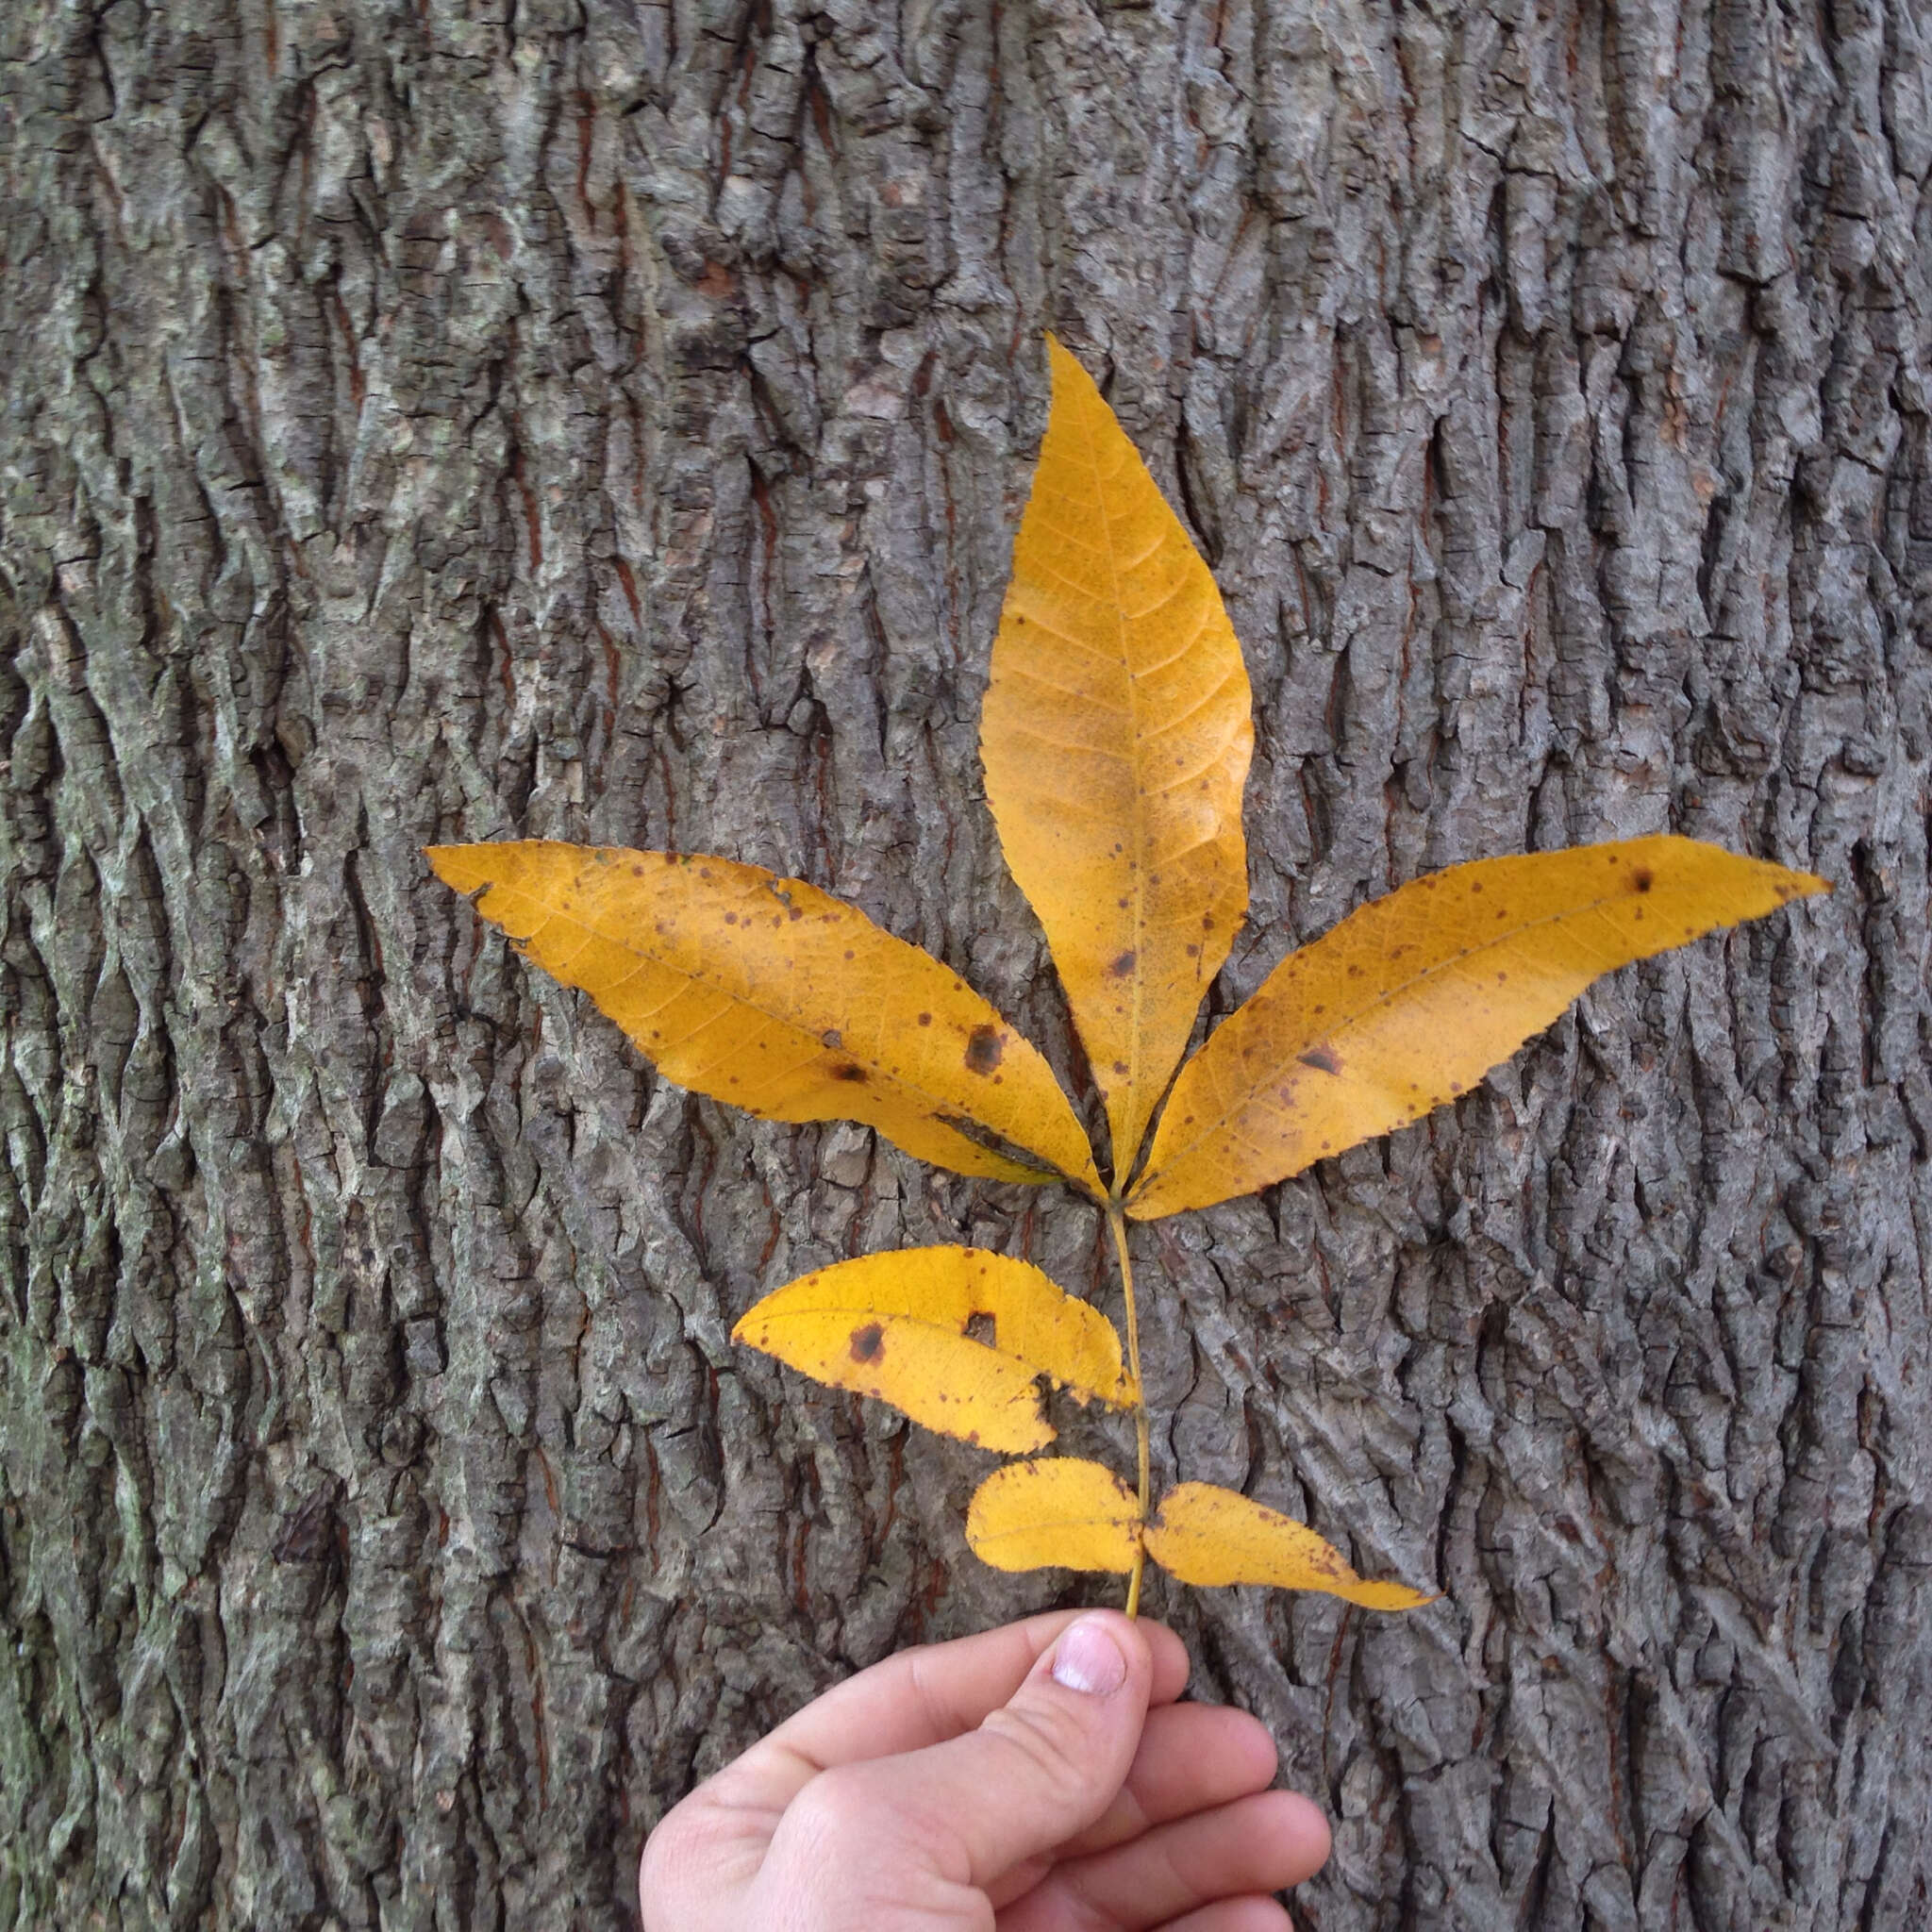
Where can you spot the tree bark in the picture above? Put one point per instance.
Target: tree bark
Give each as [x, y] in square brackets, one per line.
[609, 422]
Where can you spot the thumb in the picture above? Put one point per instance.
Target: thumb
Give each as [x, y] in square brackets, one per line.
[1037, 1772]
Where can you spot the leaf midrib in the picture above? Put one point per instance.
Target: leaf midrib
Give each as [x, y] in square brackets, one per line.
[1033, 1370]
[1124, 1157]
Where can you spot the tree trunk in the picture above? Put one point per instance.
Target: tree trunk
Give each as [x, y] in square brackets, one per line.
[609, 422]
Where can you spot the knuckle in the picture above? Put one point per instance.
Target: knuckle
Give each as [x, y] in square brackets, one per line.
[1050, 1740]
[836, 1807]
[684, 1845]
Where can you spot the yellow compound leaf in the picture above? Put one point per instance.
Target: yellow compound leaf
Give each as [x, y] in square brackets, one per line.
[1206, 1535]
[955, 1338]
[1410, 1000]
[770, 994]
[1057, 1512]
[1116, 738]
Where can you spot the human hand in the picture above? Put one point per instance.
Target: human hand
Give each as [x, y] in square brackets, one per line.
[1038, 1778]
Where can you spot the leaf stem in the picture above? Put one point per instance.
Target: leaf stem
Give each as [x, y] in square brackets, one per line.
[1117, 1221]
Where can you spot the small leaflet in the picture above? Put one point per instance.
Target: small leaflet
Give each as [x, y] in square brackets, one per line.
[1054, 1512]
[1208, 1536]
[958, 1339]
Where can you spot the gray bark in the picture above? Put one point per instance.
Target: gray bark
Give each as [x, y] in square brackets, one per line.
[609, 422]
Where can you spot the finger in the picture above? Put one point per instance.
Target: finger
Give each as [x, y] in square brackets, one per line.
[1036, 1772]
[1235, 1915]
[697, 1864]
[917, 1699]
[1191, 1757]
[1255, 1845]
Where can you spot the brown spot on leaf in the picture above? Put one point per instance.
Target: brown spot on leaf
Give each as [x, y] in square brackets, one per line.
[985, 1050]
[1123, 965]
[868, 1344]
[1642, 879]
[848, 1072]
[1120, 1066]
[925, 1019]
[637, 872]
[1322, 1058]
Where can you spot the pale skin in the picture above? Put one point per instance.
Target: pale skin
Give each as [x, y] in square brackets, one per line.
[1041, 1777]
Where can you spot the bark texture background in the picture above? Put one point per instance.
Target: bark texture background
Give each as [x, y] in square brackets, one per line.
[609, 422]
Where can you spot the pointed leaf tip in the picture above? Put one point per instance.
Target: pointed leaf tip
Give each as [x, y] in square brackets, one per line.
[774, 996]
[1210, 1535]
[955, 1338]
[1115, 736]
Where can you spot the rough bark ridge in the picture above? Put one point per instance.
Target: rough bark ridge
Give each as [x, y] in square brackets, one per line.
[609, 422]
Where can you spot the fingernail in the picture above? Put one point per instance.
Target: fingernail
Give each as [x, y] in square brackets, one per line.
[1087, 1658]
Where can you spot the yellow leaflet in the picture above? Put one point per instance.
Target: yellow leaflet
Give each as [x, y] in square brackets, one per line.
[1116, 738]
[955, 1338]
[1410, 1000]
[1054, 1512]
[1205, 1535]
[770, 994]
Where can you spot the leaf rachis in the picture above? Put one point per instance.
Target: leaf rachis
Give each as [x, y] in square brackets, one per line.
[1117, 1227]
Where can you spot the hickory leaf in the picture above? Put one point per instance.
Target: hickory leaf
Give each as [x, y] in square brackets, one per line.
[1414, 997]
[773, 995]
[1116, 739]
[1115, 736]
[955, 1338]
